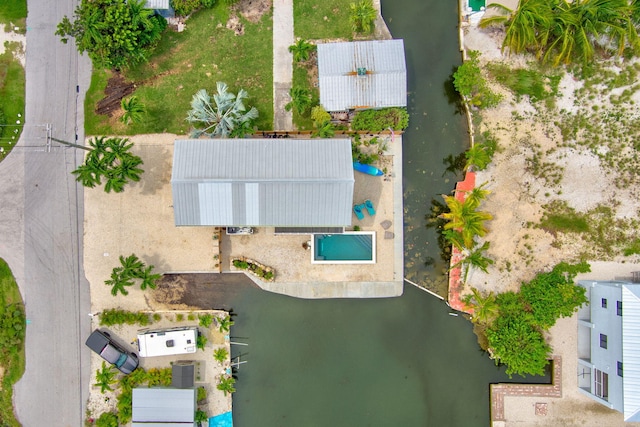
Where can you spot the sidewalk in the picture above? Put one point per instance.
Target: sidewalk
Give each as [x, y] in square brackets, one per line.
[282, 63]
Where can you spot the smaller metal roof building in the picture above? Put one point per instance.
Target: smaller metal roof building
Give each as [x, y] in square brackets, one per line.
[163, 407]
[157, 4]
[364, 74]
[263, 182]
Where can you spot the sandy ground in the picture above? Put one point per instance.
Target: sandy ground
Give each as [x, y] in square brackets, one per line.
[208, 371]
[12, 37]
[517, 198]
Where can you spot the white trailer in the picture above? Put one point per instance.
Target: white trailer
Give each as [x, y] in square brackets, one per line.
[166, 342]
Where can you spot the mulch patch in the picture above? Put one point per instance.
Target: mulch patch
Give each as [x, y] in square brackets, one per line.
[117, 88]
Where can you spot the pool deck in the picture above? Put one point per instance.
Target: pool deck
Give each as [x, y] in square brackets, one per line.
[140, 221]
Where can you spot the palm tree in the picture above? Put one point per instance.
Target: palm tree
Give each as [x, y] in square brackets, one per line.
[222, 116]
[485, 308]
[220, 354]
[109, 158]
[477, 157]
[225, 323]
[118, 283]
[301, 50]
[105, 377]
[131, 266]
[476, 196]
[147, 278]
[527, 26]
[474, 258]
[301, 100]
[133, 110]
[463, 216]
[226, 384]
[362, 16]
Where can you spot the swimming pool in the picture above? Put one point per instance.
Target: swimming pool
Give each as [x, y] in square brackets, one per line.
[222, 420]
[346, 248]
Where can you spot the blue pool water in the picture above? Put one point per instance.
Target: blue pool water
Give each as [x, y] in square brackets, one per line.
[222, 420]
[343, 247]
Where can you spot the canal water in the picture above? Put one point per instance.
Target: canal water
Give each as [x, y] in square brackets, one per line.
[403, 361]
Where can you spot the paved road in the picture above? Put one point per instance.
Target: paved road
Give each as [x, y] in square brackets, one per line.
[41, 226]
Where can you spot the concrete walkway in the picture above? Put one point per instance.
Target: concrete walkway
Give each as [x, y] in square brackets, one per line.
[282, 63]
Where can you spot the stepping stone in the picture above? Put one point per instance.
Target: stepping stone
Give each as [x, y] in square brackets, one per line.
[386, 224]
[388, 235]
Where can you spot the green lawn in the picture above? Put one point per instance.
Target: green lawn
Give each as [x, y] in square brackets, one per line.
[11, 357]
[310, 23]
[301, 79]
[205, 53]
[12, 78]
[14, 12]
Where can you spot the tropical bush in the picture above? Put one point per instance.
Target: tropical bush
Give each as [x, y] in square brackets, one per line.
[226, 116]
[133, 110]
[205, 320]
[220, 354]
[114, 33]
[379, 120]
[105, 377]
[132, 269]
[201, 341]
[362, 16]
[201, 394]
[301, 100]
[226, 384]
[301, 50]
[516, 336]
[471, 84]
[256, 269]
[107, 419]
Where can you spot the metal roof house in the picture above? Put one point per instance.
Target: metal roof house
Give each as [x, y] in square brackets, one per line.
[161, 7]
[363, 74]
[163, 407]
[262, 182]
[609, 346]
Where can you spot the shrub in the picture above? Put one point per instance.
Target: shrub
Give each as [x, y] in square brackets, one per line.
[201, 341]
[107, 419]
[472, 86]
[268, 275]
[205, 320]
[202, 394]
[319, 116]
[179, 317]
[114, 316]
[379, 120]
[185, 7]
[201, 416]
[240, 264]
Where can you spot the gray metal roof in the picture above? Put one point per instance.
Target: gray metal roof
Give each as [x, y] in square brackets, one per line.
[383, 85]
[157, 4]
[163, 406]
[263, 182]
[631, 350]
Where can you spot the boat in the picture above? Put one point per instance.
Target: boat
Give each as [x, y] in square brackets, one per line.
[368, 169]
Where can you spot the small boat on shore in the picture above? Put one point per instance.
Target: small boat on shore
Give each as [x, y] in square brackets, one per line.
[368, 169]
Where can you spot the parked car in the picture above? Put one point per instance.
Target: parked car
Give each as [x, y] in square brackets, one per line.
[112, 352]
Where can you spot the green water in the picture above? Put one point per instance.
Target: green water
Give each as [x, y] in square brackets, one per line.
[400, 362]
[388, 362]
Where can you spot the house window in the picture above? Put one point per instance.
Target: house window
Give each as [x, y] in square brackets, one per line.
[604, 303]
[619, 369]
[603, 341]
[619, 308]
[601, 385]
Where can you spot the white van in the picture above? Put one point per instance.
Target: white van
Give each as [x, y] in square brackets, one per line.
[166, 342]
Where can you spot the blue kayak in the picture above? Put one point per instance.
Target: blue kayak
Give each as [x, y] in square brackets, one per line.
[368, 169]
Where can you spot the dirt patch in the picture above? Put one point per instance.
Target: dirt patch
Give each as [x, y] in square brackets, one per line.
[117, 88]
[252, 10]
[235, 25]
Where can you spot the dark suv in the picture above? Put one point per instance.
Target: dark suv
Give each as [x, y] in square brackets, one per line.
[101, 343]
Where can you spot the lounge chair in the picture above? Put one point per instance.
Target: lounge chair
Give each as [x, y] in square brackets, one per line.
[369, 206]
[357, 209]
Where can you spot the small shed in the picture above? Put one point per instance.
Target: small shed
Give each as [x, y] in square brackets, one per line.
[161, 7]
[361, 75]
[163, 407]
[183, 374]
[263, 182]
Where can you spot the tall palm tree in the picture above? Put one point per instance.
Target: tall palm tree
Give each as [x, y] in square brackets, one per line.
[222, 116]
[474, 258]
[526, 27]
[476, 196]
[301, 50]
[109, 158]
[133, 110]
[118, 283]
[226, 384]
[464, 217]
[362, 16]
[225, 323]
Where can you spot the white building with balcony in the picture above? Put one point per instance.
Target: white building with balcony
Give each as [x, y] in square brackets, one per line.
[609, 346]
